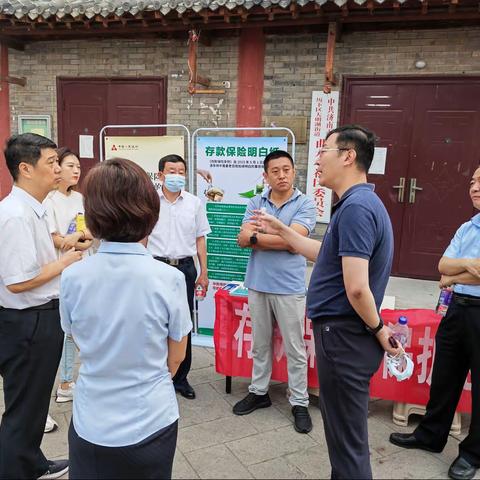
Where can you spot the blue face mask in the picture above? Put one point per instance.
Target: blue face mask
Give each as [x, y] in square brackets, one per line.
[174, 183]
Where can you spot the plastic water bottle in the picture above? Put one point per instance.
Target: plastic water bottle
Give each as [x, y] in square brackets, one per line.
[72, 227]
[444, 301]
[400, 331]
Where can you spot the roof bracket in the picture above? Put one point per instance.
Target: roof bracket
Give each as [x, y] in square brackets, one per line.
[194, 77]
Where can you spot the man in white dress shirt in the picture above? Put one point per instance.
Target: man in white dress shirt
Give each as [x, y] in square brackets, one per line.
[178, 236]
[31, 338]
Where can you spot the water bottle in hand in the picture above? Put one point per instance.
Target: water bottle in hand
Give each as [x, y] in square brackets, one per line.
[400, 331]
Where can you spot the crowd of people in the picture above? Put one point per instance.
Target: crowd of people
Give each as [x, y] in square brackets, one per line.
[112, 274]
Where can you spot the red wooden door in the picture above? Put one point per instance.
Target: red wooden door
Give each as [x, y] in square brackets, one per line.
[86, 105]
[428, 128]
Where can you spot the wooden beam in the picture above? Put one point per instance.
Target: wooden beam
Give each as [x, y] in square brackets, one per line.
[329, 57]
[205, 39]
[213, 21]
[12, 43]
[22, 81]
[294, 10]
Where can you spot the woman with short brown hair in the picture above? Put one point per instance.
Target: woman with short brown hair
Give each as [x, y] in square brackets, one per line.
[129, 317]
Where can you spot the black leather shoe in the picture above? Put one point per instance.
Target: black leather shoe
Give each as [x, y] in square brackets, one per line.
[461, 469]
[185, 390]
[408, 440]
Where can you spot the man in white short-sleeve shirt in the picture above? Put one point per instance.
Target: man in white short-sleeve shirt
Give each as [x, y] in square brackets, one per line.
[177, 237]
[31, 338]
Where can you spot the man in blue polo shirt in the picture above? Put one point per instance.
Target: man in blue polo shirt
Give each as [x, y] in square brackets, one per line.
[276, 288]
[457, 351]
[346, 290]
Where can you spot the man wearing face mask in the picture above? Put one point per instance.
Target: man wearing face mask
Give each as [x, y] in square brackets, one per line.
[177, 237]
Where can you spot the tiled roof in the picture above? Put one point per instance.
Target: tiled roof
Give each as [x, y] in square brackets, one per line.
[91, 8]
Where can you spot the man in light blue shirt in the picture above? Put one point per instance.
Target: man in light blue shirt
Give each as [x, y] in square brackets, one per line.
[276, 288]
[457, 350]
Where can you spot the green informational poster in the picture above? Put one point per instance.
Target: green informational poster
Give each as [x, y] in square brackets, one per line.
[236, 166]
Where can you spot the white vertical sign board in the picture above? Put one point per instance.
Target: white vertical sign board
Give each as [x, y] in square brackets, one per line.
[323, 119]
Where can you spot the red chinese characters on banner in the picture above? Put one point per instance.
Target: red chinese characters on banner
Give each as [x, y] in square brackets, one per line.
[233, 351]
[233, 341]
[423, 326]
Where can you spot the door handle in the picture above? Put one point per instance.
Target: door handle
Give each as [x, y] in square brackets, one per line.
[401, 189]
[413, 190]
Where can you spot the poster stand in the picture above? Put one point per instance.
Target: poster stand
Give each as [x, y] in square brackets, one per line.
[199, 339]
[187, 153]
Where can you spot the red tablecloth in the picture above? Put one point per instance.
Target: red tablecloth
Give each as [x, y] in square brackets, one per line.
[423, 326]
[233, 355]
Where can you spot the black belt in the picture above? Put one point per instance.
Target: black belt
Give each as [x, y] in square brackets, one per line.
[51, 305]
[466, 300]
[174, 262]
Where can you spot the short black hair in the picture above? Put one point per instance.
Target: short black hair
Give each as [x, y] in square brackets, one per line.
[26, 147]
[361, 139]
[277, 154]
[172, 158]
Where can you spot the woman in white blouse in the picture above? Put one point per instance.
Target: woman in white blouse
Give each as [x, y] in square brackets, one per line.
[65, 214]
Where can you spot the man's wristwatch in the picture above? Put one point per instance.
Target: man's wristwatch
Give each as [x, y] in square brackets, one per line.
[253, 239]
[374, 331]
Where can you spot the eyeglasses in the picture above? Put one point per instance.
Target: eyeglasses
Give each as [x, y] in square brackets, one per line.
[322, 150]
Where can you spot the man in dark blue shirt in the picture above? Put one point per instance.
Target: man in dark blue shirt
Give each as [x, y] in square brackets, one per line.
[347, 285]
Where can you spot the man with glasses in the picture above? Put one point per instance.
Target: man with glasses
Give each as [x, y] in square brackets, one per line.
[352, 267]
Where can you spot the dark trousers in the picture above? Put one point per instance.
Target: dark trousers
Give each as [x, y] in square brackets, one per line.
[190, 272]
[150, 458]
[30, 349]
[347, 357]
[457, 350]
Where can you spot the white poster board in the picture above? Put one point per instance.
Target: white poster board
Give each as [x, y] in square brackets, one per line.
[236, 165]
[145, 151]
[323, 118]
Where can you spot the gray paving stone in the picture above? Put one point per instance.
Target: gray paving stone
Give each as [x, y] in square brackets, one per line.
[313, 462]
[212, 433]
[182, 467]
[378, 434]
[408, 464]
[217, 462]
[203, 375]
[266, 446]
[208, 405]
[276, 468]
[266, 419]
[201, 358]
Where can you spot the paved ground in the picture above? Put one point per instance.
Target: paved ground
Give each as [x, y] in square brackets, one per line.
[214, 443]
